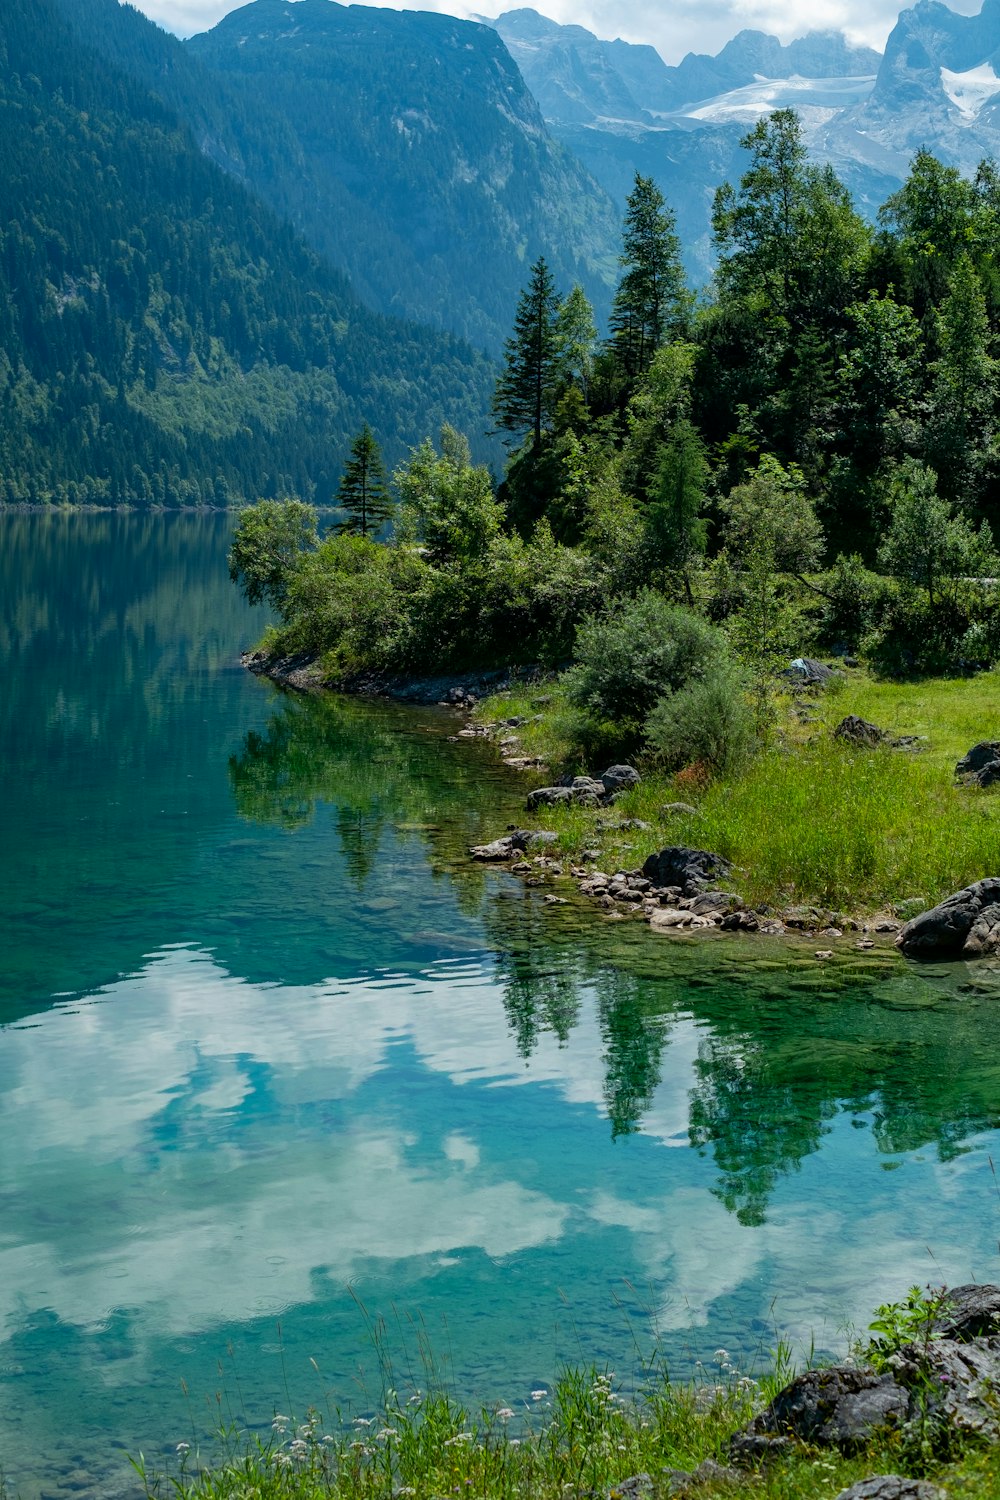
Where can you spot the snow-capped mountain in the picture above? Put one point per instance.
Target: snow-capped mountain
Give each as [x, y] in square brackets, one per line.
[622, 109]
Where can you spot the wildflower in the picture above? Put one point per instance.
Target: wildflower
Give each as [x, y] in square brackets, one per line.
[183, 1449]
[364, 1421]
[537, 1395]
[722, 1355]
[504, 1413]
[458, 1438]
[385, 1433]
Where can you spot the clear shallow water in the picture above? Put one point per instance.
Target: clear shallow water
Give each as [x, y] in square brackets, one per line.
[276, 1063]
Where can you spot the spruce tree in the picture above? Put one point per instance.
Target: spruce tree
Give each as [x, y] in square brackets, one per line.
[528, 386]
[652, 297]
[364, 489]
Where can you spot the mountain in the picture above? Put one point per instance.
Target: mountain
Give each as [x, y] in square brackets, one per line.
[621, 109]
[423, 165]
[163, 336]
[405, 147]
[937, 86]
[578, 78]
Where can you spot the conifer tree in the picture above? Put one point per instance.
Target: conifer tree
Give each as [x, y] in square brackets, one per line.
[528, 386]
[652, 293]
[364, 489]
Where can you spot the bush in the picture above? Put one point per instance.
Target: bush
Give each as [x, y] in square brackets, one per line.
[709, 722]
[640, 650]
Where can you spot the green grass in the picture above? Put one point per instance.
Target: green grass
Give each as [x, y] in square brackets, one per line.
[580, 1440]
[811, 821]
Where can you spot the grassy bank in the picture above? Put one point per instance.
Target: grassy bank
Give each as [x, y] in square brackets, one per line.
[580, 1440]
[810, 820]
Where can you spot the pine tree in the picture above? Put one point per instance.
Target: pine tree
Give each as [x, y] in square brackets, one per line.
[652, 293]
[364, 489]
[528, 386]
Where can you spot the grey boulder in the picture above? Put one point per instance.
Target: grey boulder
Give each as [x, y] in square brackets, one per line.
[953, 1383]
[619, 779]
[517, 841]
[690, 869]
[842, 1407]
[969, 1312]
[857, 731]
[965, 925]
[892, 1487]
[980, 766]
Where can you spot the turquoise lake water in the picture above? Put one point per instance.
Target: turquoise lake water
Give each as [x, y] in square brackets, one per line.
[278, 1065]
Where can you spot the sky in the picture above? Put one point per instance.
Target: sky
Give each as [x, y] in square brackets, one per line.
[674, 29]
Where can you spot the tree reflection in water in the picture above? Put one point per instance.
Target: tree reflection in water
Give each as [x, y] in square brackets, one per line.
[784, 1048]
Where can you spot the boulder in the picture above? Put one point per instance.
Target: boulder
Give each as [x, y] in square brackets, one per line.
[953, 1384]
[582, 790]
[619, 779]
[980, 766]
[892, 1487]
[969, 1312]
[690, 869]
[807, 670]
[842, 1407]
[856, 731]
[516, 841]
[966, 925]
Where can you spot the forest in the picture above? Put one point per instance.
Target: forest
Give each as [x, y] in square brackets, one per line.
[164, 338]
[803, 458]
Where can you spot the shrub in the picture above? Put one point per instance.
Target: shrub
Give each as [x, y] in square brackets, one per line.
[635, 654]
[709, 721]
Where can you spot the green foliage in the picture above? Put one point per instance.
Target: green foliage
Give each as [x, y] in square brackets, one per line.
[166, 339]
[651, 302]
[676, 528]
[926, 545]
[527, 388]
[364, 487]
[910, 1321]
[634, 654]
[771, 534]
[448, 504]
[708, 721]
[270, 541]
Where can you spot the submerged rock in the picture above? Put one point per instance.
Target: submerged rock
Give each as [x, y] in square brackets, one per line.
[966, 925]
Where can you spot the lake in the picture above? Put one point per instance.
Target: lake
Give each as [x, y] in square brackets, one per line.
[294, 1098]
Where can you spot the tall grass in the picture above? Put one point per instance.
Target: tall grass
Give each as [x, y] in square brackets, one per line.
[847, 829]
[815, 822]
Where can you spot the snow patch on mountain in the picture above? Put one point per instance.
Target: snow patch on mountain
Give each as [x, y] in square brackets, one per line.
[816, 99]
[969, 91]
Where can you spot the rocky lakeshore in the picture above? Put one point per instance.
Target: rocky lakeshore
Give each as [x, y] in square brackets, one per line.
[680, 889]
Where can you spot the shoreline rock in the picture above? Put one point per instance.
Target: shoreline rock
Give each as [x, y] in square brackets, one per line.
[965, 925]
[302, 672]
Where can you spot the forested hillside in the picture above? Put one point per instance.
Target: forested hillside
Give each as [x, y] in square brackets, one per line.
[163, 336]
[405, 147]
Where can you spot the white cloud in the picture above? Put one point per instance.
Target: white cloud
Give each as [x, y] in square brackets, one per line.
[684, 26]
